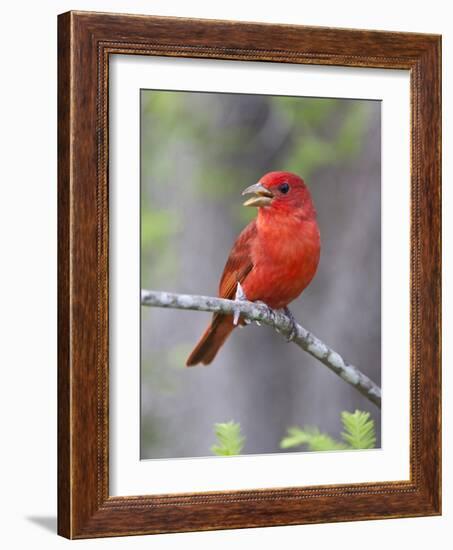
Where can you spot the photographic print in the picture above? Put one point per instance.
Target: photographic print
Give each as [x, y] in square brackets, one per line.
[274, 200]
[238, 269]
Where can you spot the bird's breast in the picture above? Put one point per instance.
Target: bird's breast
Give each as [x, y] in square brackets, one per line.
[285, 259]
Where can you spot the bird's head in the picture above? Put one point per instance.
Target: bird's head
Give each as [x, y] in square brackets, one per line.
[281, 192]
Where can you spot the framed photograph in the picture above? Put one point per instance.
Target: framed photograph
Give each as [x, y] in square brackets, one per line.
[249, 275]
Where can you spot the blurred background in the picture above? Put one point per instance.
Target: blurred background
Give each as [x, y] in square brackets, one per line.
[198, 152]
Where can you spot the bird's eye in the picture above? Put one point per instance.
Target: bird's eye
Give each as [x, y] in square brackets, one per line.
[283, 188]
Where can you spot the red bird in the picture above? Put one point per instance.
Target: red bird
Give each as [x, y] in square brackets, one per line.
[274, 258]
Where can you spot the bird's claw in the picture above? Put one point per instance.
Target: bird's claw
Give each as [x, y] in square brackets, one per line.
[293, 332]
[239, 297]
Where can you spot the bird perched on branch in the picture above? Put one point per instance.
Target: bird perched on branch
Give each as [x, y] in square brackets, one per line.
[273, 260]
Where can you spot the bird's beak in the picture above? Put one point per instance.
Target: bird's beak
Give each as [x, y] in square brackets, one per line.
[263, 197]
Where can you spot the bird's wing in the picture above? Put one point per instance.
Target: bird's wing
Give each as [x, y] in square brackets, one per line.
[239, 263]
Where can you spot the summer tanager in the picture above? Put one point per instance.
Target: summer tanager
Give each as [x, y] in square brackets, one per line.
[274, 258]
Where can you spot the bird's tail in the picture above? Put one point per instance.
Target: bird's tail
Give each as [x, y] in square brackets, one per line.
[212, 340]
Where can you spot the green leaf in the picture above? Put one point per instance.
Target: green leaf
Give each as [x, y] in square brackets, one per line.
[229, 438]
[359, 430]
[312, 437]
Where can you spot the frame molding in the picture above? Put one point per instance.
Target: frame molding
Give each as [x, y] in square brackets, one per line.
[85, 42]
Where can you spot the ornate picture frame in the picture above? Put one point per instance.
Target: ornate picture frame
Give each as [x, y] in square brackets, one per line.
[86, 41]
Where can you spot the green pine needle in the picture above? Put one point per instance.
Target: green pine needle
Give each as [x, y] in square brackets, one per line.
[229, 438]
[359, 430]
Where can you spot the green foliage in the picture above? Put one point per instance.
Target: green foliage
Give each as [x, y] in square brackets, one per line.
[359, 433]
[312, 437]
[158, 226]
[312, 153]
[359, 430]
[312, 112]
[350, 135]
[325, 132]
[229, 438]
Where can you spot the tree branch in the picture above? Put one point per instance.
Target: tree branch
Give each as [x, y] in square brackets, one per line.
[278, 320]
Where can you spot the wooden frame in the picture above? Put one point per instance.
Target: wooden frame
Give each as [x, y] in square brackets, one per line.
[85, 41]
